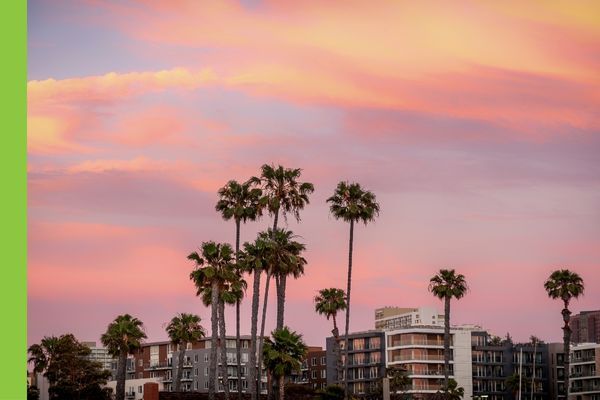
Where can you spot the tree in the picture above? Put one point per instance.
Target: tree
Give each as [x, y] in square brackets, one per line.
[513, 382]
[183, 329]
[254, 261]
[65, 362]
[282, 192]
[122, 337]
[214, 267]
[452, 392]
[351, 204]
[331, 392]
[283, 354]
[283, 256]
[445, 286]
[328, 303]
[240, 202]
[398, 382]
[565, 285]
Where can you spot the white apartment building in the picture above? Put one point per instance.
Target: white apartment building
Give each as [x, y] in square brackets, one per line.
[388, 318]
[585, 371]
[134, 388]
[420, 350]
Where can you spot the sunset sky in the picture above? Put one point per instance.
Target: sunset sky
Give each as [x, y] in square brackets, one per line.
[476, 125]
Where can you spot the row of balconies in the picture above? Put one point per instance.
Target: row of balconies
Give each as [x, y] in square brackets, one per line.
[419, 357]
[417, 342]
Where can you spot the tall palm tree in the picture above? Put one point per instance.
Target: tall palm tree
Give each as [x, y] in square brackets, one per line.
[254, 261]
[123, 336]
[328, 303]
[445, 285]
[240, 202]
[283, 257]
[282, 192]
[283, 354]
[565, 285]
[214, 267]
[183, 329]
[352, 204]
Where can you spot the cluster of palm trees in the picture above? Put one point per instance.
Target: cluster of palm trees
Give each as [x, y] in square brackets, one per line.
[219, 277]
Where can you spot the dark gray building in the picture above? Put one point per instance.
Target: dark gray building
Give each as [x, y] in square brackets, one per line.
[366, 360]
[585, 327]
[496, 367]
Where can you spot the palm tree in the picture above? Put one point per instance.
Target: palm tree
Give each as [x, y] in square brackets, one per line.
[254, 261]
[328, 303]
[240, 202]
[282, 192]
[283, 256]
[283, 354]
[123, 336]
[352, 204]
[183, 329]
[214, 267]
[446, 285]
[565, 285]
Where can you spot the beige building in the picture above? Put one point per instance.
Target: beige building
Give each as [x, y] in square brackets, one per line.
[388, 318]
[585, 372]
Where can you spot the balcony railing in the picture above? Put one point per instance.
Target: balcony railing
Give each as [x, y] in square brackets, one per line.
[419, 357]
[418, 342]
[160, 365]
[425, 387]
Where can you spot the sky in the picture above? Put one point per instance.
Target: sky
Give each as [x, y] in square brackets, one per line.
[475, 125]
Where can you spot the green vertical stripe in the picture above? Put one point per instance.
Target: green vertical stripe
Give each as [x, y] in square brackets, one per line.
[13, 170]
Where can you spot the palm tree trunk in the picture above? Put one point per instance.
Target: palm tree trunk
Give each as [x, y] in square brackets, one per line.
[251, 378]
[446, 341]
[280, 299]
[281, 387]
[566, 345]
[336, 350]
[121, 376]
[182, 348]
[238, 344]
[212, 374]
[281, 284]
[346, 392]
[262, 333]
[223, 349]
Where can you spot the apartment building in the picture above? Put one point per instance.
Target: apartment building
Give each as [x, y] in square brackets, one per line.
[159, 361]
[585, 327]
[498, 362]
[388, 318]
[134, 388]
[313, 371]
[366, 360]
[100, 354]
[556, 370]
[420, 351]
[585, 372]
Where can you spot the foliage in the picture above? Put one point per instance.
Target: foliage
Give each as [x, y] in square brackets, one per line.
[565, 285]
[331, 392]
[351, 203]
[33, 393]
[185, 328]
[329, 302]
[240, 201]
[71, 374]
[124, 334]
[448, 284]
[454, 392]
[283, 352]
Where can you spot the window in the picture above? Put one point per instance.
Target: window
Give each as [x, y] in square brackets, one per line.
[195, 357]
[313, 374]
[140, 389]
[206, 358]
[140, 362]
[245, 344]
[206, 371]
[188, 346]
[314, 361]
[323, 361]
[195, 371]
[196, 385]
[323, 374]
[245, 357]
[205, 384]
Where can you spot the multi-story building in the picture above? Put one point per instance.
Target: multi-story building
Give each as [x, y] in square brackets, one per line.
[314, 368]
[388, 318]
[497, 365]
[100, 354]
[420, 351]
[556, 370]
[585, 372]
[134, 388]
[159, 360]
[585, 327]
[366, 360]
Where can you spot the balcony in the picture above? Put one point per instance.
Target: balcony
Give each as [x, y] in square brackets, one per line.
[419, 357]
[425, 387]
[418, 342]
[157, 366]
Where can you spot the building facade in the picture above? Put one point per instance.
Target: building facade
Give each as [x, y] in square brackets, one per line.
[366, 360]
[585, 327]
[585, 372]
[388, 318]
[556, 368]
[420, 351]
